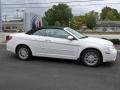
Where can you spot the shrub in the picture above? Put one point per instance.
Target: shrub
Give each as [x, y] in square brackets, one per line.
[114, 41]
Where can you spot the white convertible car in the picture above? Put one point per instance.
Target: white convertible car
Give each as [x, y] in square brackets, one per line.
[64, 43]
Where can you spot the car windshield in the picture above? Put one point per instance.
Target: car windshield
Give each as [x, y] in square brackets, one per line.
[77, 34]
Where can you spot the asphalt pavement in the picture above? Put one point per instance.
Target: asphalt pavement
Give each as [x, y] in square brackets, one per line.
[56, 74]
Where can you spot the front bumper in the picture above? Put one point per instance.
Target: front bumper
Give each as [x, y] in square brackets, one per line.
[110, 56]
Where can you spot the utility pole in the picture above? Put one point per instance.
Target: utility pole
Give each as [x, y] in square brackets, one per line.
[17, 13]
[23, 14]
[23, 17]
[0, 18]
[5, 18]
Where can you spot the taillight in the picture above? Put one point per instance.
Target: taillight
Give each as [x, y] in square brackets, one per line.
[8, 38]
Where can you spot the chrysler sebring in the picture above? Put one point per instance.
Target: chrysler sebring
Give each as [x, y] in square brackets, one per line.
[64, 43]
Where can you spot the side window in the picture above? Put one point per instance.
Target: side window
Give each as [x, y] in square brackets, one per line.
[41, 32]
[57, 33]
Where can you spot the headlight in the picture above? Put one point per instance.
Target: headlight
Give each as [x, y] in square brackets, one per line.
[110, 47]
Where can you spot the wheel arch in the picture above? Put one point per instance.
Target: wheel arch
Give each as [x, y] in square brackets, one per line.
[92, 49]
[22, 45]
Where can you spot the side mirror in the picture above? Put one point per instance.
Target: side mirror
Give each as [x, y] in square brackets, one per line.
[70, 38]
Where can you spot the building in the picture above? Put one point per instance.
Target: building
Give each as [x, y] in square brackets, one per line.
[108, 26]
[12, 26]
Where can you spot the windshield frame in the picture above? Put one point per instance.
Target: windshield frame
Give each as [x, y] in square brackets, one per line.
[75, 33]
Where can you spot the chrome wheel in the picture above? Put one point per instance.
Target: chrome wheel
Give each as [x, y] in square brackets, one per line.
[23, 53]
[91, 57]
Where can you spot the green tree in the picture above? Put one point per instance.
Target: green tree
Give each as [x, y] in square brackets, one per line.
[57, 23]
[119, 15]
[90, 20]
[95, 14]
[49, 17]
[58, 13]
[45, 23]
[109, 14]
[77, 21]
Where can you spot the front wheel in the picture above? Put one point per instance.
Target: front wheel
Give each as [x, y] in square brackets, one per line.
[23, 52]
[91, 57]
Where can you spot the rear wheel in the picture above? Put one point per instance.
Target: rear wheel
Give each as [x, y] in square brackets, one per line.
[24, 53]
[91, 57]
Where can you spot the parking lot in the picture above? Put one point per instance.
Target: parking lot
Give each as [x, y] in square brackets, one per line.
[55, 74]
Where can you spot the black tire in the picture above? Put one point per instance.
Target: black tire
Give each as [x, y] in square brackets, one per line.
[91, 57]
[25, 54]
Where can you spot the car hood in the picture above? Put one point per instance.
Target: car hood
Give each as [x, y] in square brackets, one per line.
[97, 41]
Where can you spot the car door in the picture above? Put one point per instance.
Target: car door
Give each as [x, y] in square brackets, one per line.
[57, 45]
[37, 42]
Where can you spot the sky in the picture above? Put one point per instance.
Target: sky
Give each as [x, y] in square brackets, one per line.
[79, 7]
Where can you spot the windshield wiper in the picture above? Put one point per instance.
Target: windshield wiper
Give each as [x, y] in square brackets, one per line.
[84, 37]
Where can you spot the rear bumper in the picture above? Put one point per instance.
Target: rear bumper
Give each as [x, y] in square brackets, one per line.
[110, 56]
[10, 48]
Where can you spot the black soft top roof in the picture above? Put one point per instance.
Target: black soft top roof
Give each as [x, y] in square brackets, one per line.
[46, 27]
[51, 27]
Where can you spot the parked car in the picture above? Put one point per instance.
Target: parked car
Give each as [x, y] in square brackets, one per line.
[64, 43]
